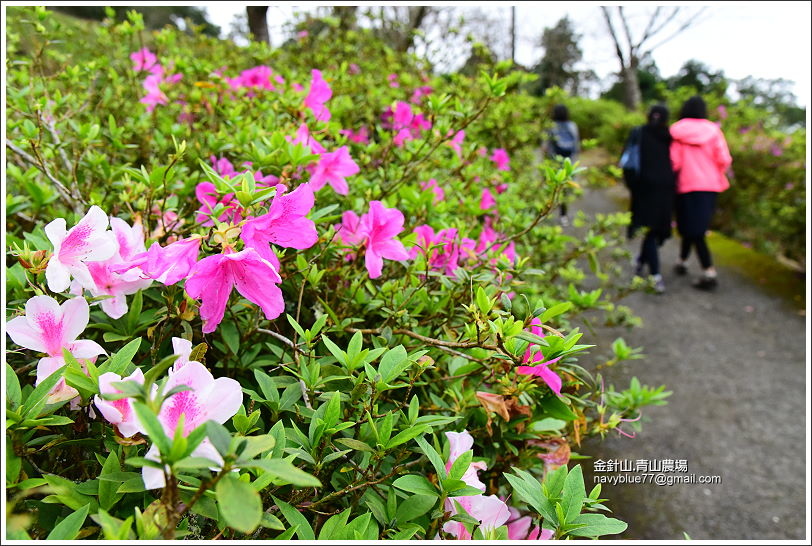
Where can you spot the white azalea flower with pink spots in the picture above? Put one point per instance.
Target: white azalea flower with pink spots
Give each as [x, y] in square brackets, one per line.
[107, 276]
[48, 328]
[119, 412]
[209, 399]
[86, 242]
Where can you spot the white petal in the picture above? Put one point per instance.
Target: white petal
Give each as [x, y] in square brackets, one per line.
[57, 275]
[56, 231]
[21, 333]
[75, 316]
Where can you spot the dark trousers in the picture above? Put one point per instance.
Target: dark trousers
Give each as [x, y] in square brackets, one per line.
[649, 254]
[694, 212]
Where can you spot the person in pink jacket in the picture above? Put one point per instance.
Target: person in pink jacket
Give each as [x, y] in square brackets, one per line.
[700, 157]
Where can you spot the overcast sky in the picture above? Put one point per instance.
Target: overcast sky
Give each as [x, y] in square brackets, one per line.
[760, 39]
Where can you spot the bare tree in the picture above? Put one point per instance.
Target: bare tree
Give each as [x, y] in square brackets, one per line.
[258, 23]
[663, 21]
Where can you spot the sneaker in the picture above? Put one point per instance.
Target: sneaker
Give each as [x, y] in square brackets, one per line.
[680, 269]
[706, 283]
[659, 286]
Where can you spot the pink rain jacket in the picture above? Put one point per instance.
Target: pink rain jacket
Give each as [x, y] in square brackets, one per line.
[700, 156]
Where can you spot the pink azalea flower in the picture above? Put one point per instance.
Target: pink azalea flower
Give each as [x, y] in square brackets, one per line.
[285, 224]
[403, 115]
[119, 412]
[419, 123]
[168, 264]
[48, 328]
[540, 370]
[491, 511]
[258, 77]
[354, 69]
[488, 236]
[209, 399]
[182, 348]
[318, 94]
[333, 168]
[501, 158]
[304, 138]
[401, 137]
[501, 188]
[222, 166]
[207, 194]
[722, 110]
[88, 241]
[487, 202]
[393, 80]
[213, 277]
[419, 93]
[265, 180]
[361, 137]
[155, 95]
[445, 254]
[456, 142]
[439, 194]
[145, 60]
[350, 231]
[377, 229]
[297, 87]
[519, 528]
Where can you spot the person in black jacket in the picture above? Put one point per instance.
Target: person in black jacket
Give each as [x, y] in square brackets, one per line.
[652, 191]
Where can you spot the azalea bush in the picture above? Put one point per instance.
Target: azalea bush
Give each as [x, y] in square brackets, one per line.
[307, 292]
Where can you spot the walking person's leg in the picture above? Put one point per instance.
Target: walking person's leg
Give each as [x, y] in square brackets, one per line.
[652, 258]
[683, 218]
[706, 207]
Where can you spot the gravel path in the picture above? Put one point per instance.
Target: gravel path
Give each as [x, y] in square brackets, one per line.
[735, 361]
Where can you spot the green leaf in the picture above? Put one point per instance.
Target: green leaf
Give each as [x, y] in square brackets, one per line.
[334, 528]
[152, 374]
[231, 336]
[38, 397]
[596, 525]
[134, 312]
[239, 504]
[68, 528]
[304, 531]
[573, 494]
[153, 428]
[406, 435]
[219, 436]
[286, 471]
[434, 457]
[416, 484]
[120, 360]
[558, 409]
[556, 310]
[414, 507]
[459, 466]
[108, 494]
[393, 363]
[13, 392]
[269, 521]
[528, 489]
[357, 445]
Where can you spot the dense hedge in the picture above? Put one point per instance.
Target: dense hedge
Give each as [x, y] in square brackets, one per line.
[400, 356]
